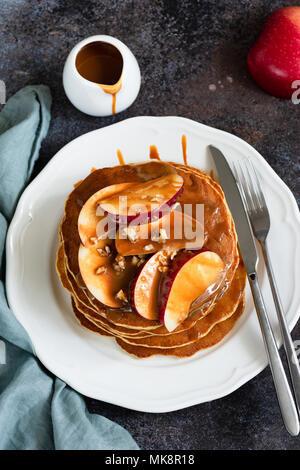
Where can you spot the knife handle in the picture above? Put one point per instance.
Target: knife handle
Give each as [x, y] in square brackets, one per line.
[284, 394]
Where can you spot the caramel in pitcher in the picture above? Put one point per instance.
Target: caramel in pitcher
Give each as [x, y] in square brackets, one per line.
[101, 63]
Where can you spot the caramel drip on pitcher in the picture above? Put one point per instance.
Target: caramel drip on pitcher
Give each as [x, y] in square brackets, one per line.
[112, 90]
[120, 157]
[183, 143]
[154, 155]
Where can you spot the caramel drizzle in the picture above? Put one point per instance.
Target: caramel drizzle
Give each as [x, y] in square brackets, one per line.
[112, 90]
[75, 185]
[113, 106]
[154, 153]
[120, 157]
[183, 143]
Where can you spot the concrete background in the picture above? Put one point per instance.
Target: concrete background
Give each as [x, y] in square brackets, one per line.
[182, 48]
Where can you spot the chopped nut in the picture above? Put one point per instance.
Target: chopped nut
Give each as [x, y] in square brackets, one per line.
[93, 240]
[117, 267]
[163, 259]
[141, 260]
[120, 263]
[102, 252]
[121, 296]
[107, 249]
[120, 260]
[155, 237]
[131, 233]
[101, 270]
[135, 260]
[163, 234]
[160, 236]
[149, 247]
[163, 269]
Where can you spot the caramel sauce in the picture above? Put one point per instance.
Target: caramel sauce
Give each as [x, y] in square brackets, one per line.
[120, 157]
[183, 143]
[101, 63]
[75, 185]
[154, 155]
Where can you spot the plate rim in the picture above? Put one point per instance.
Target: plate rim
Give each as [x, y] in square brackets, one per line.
[232, 383]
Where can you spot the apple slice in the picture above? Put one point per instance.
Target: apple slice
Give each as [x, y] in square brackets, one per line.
[144, 201]
[144, 288]
[189, 275]
[174, 231]
[88, 219]
[101, 278]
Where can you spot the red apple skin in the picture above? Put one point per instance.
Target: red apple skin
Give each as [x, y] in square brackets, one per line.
[274, 60]
[147, 216]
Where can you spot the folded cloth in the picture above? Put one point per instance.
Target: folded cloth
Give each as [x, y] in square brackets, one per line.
[37, 410]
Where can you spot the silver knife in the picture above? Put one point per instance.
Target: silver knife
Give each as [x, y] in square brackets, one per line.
[250, 258]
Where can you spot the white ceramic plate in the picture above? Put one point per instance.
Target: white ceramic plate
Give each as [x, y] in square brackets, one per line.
[94, 365]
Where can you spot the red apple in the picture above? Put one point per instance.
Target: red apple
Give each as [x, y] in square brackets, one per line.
[189, 276]
[89, 219]
[143, 201]
[274, 60]
[101, 278]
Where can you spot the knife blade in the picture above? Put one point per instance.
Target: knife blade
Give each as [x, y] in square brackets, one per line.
[237, 209]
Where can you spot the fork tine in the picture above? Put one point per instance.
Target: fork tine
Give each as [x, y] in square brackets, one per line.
[252, 190]
[244, 187]
[260, 194]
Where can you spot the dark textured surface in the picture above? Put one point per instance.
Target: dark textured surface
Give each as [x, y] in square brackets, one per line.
[182, 47]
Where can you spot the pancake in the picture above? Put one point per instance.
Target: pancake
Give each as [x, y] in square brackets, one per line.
[223, 310]
[217, 333]
[211, 317]
[84, 308]
[217, 218]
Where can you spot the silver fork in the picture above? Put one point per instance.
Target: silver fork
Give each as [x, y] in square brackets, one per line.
[254, 199]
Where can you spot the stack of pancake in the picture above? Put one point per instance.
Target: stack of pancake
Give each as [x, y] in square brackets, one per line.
[210, 318]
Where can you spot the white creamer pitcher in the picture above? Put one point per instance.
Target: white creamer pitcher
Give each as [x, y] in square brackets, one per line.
[99, 59]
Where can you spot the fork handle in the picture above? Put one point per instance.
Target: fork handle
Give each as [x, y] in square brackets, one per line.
[291, 355]
[284, 394]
